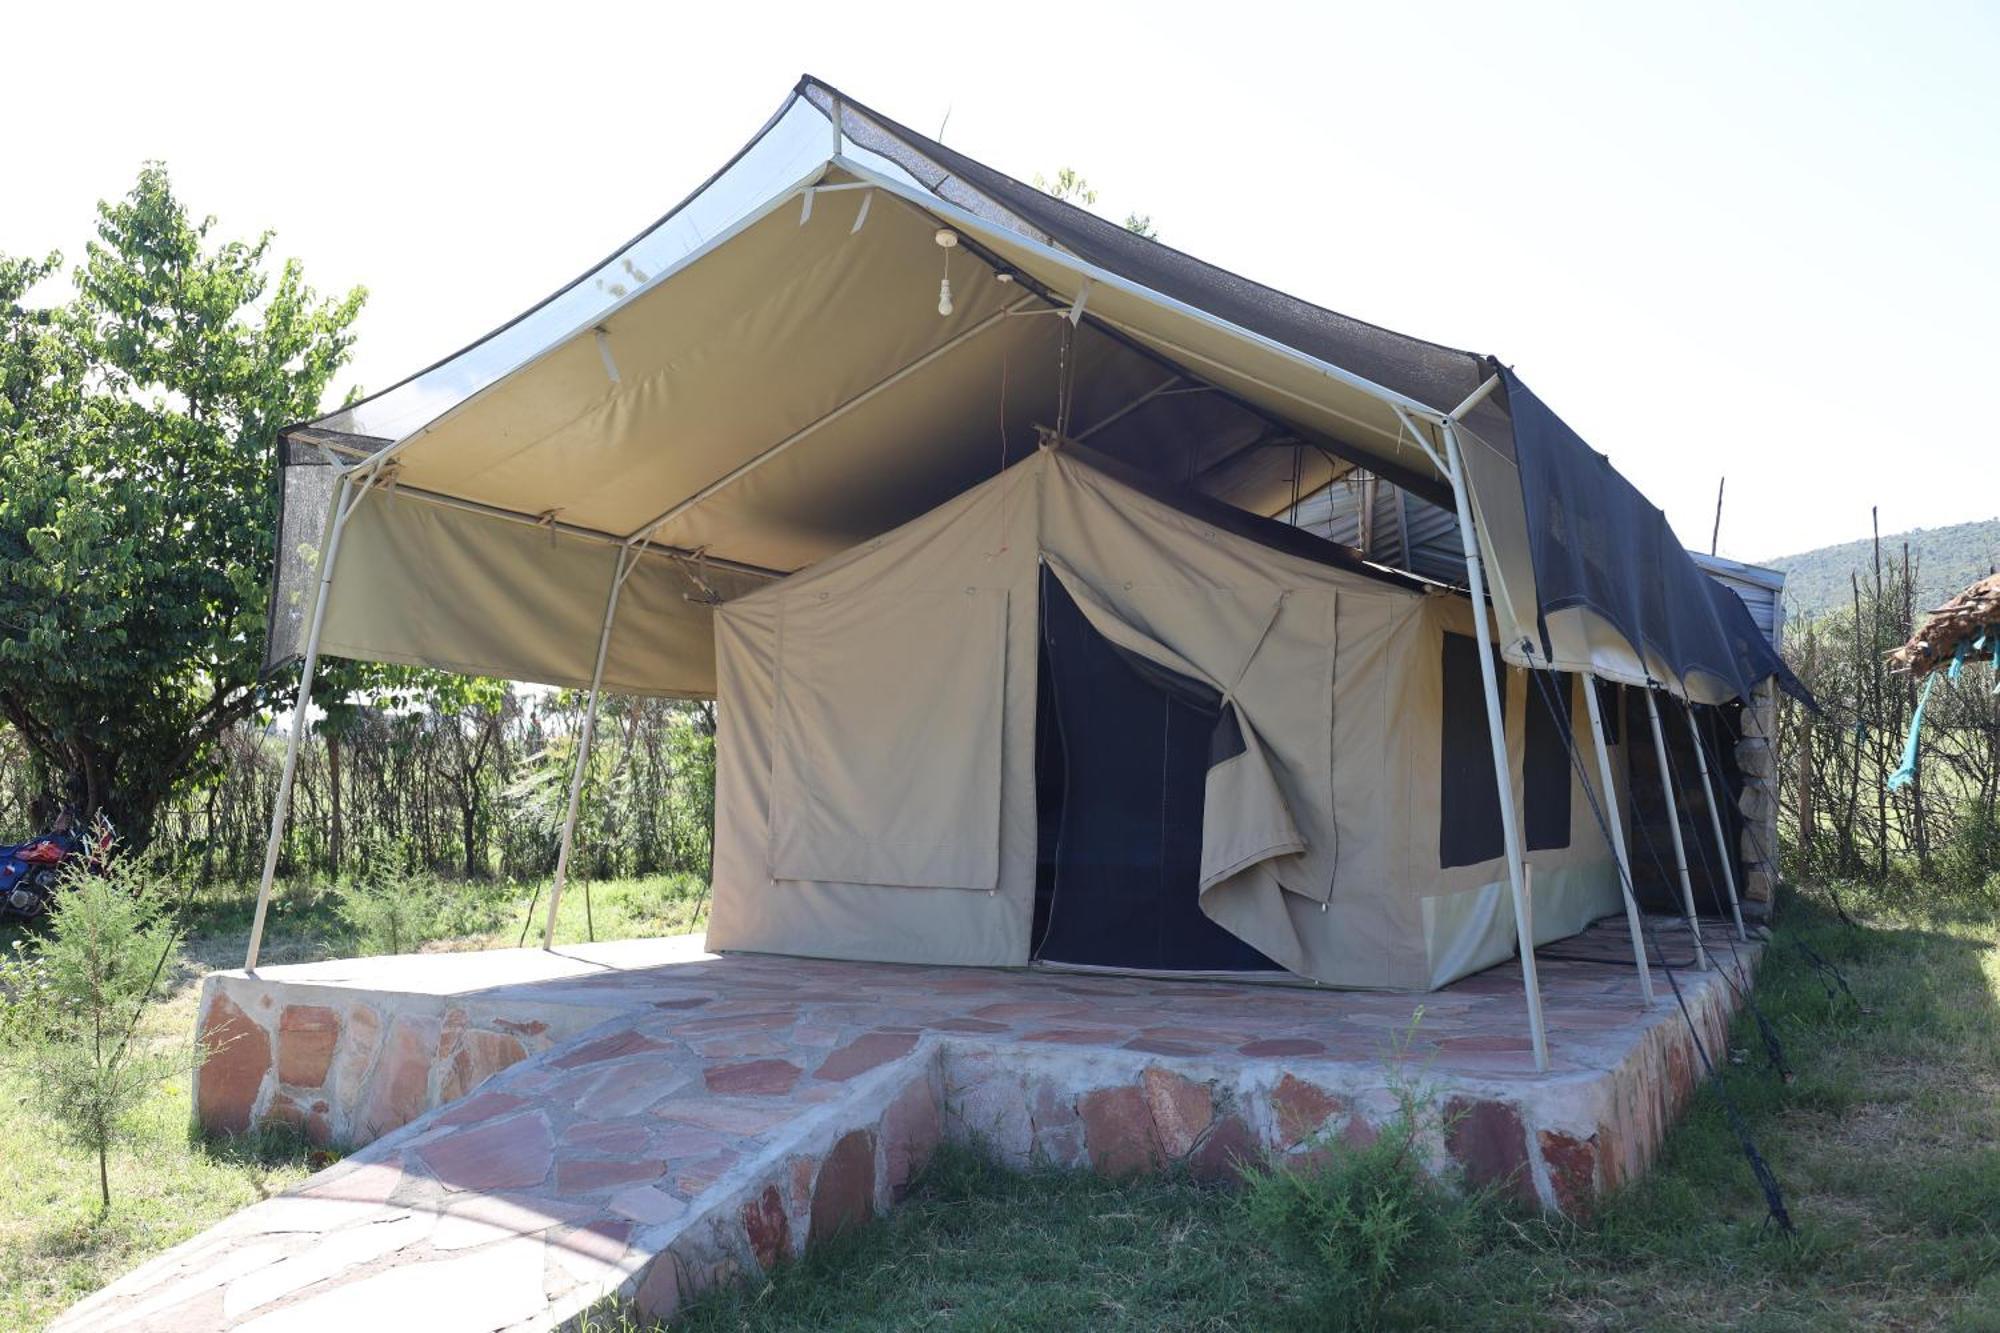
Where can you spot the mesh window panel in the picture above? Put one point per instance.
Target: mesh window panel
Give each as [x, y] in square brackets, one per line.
[306, 483]
[1468, 798]
[1545, 772]
[1122, 762]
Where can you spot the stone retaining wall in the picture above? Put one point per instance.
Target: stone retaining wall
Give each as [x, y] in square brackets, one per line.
[348, 1066]
[1559, 1142]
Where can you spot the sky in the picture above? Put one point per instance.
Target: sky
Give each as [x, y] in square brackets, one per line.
[1755, 241]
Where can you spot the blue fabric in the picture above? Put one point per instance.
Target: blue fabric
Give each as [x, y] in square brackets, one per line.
[1907, 774]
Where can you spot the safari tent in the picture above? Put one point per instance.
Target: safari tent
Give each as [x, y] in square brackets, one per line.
[956, 743]
[786, 449]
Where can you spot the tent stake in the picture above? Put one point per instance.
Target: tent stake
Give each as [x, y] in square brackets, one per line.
[627, 562]
[1674, 825]
[1618, 839]
[346, 500]
[1715, 821]
[1497, 732]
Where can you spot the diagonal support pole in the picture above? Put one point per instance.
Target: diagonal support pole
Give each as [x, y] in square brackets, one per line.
[628, 560]
[1517, 879]
[1715, 822]
[1674, 824]
[346, 500]
[1618, 849]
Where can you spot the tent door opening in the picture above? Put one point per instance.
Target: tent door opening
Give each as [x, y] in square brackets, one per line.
[1121, 763]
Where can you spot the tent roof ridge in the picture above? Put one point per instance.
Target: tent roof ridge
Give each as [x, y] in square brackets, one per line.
[929, 147]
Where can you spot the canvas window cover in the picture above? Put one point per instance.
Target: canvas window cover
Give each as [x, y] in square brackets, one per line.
[887, 767]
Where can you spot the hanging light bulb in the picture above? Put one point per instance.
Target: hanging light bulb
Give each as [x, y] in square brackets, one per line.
[946, 239]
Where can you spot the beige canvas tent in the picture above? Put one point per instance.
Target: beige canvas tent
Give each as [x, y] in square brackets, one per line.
[853, 331]
[878, 782]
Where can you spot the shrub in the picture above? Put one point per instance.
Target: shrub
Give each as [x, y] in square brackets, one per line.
[1970, 857]
[76, 1002]
[390, 907]
[1362, 1221]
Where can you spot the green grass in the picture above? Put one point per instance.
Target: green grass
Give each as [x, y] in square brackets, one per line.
[169, 1184]
[1884, 1144]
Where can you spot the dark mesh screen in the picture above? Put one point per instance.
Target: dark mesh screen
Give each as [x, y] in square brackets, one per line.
[1121, 767]
[306, 482]
[1545, 771]
[1469, 797]
[1610, 709]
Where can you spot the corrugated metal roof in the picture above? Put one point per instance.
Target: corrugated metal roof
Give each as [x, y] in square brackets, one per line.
[1416, 535]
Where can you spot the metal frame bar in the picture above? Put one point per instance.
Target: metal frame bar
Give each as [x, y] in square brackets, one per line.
[1618, 848]
[346, 500]
[1510, 827]
[1715, 820]
[1131, 407]
[586, 534]
[1674, 824]
[627, 562]
[966, 220]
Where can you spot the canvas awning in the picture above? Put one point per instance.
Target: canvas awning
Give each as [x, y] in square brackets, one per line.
[765, 377]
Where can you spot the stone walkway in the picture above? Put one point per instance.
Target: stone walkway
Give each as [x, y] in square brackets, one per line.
[666, 1119]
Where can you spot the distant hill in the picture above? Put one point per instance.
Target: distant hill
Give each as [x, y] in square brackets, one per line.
[1946, 558]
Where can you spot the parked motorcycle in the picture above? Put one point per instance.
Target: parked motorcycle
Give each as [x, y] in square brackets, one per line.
[31, 872]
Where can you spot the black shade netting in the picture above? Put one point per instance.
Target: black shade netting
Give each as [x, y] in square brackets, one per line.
[305, 482]
[1597, 543]
[1121, 762]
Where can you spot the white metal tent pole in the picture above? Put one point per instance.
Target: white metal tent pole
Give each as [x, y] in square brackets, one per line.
[1715, 822]
[1502, 771]
[1625, 881]
[345, 500]
[627, 561]
[1674, 824]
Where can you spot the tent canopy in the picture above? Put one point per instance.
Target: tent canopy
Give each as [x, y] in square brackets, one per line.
[766, 376]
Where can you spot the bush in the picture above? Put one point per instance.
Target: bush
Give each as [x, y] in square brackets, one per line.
[75, 1002]
[1970, 857]
[1360, 1222]
[390, 907]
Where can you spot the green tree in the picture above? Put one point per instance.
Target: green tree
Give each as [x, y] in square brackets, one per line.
[1070, 187]
[74, 1004]
[137, 421]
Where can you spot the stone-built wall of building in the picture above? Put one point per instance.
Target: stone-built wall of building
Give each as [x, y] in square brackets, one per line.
[1757, 758]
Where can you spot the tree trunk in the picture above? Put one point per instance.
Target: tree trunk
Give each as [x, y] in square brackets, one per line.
[337, 829]
[469, 815]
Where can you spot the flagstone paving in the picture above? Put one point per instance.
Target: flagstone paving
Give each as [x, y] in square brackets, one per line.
[647, 1119]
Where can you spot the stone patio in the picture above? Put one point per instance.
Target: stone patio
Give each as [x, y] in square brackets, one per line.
[644, 1119]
